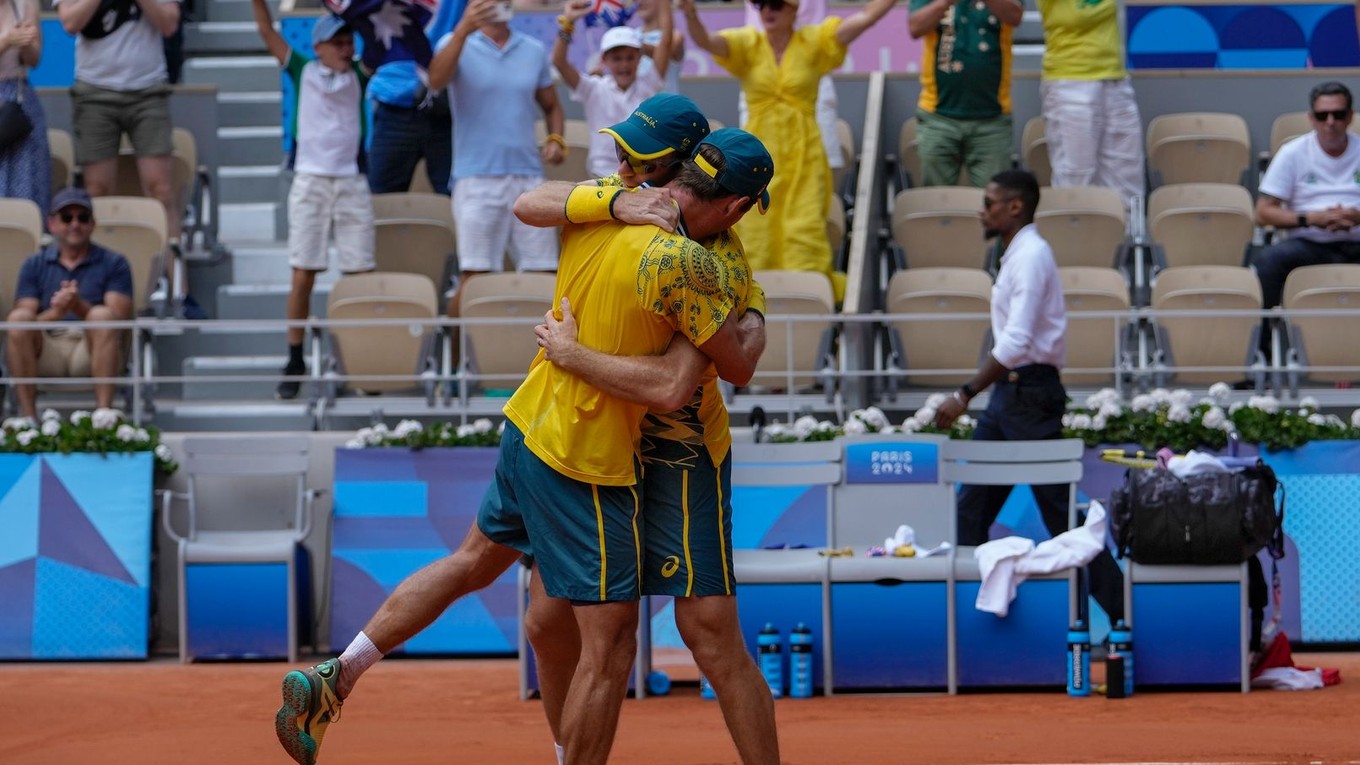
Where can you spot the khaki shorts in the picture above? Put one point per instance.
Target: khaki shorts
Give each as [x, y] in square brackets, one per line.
[64, 354]
[101, 117]
[321, 205]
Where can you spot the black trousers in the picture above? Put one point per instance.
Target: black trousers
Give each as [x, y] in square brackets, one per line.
[1028, 406]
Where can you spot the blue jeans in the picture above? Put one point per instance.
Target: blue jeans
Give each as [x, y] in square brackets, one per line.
[401, 137]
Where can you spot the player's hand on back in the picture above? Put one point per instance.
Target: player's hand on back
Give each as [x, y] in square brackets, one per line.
[557, 336]
[648, 206]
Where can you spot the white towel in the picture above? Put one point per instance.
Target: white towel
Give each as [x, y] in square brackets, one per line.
[1005, 563]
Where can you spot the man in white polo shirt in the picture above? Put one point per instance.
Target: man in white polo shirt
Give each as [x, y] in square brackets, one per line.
[499, 83]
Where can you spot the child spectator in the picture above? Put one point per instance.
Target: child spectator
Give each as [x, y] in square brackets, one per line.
[611, 97]
[329, 189]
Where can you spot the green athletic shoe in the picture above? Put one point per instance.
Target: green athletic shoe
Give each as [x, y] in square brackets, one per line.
[310, 705]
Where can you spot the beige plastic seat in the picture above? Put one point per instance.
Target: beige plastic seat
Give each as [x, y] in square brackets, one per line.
[938, 226]
[1198, 147]
[908, 159]
[63, 152]
[797, 353]
[1208, 341]
[715, 124]
[414, 234]
[845, 137]
[1092, 342]
[20, 232]
[1085, 225]
[1323, 341]
[1201, 224]
[942, 344]
[1034, 150]
[420, 179]
[835, 224]
[507, 348]
[183, 165]
[573, 168]
[136, 228]
[392, 350]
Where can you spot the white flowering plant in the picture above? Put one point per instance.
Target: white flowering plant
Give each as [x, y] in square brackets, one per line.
[1181, 421]
[103, 431]
[413, 435]
[868, 420]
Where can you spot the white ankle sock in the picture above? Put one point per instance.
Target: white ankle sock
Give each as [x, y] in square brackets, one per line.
[561, 754]
[358, 657]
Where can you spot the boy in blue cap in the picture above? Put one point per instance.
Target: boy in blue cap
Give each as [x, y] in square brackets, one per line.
[329, 189]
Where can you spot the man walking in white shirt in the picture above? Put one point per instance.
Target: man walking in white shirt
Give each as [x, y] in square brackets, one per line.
[1029, 321]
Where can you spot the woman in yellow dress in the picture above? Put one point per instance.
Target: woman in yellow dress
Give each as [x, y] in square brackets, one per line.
[779, 67]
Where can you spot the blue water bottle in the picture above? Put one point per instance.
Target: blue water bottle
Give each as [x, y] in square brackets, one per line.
[800, 662]
[1079, 660]
[770, 646]
[1121, 645]
[706, 689]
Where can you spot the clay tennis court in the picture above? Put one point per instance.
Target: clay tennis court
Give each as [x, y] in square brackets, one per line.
[415, 712]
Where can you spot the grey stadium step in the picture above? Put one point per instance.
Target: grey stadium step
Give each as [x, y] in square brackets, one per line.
[265, 368]
[263, 301]
[201, 416]
[219, 37]
[249, 108]
[233, 74]
[249, 221]
[249, 183]
[233, 10]
[256, 145]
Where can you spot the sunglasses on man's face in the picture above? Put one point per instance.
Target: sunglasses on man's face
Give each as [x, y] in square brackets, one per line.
[774, 5]
[83, 217]
[639, 166]
[1340, 115]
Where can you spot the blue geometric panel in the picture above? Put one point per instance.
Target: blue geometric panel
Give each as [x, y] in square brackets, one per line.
[778, 515]
[402, 510]
[82, 615]
[20, 479]
[1286, 36]
[77, 556]
[1322, 520]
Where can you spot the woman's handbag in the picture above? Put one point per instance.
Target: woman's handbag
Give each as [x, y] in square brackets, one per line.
[14, 124]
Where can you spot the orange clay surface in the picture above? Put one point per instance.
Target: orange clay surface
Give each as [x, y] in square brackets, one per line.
[467, 711]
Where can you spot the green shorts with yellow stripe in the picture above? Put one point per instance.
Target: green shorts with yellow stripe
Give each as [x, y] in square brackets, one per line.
[585, 539]
[687, 526]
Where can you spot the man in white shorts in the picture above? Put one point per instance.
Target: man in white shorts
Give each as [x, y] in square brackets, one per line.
[499, 83]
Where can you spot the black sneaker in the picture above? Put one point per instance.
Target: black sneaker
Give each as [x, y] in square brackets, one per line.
[289, 389]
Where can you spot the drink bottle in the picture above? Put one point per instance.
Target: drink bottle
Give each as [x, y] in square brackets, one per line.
[800, 662]
[706, 690]
[1121, 645]
[1079, 659]
[769, 644]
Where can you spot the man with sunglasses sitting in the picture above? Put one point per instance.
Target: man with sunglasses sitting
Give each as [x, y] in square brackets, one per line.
[1312, 187]
[73, 279]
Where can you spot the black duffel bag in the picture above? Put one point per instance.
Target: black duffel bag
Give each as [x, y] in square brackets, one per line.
[1205, 519]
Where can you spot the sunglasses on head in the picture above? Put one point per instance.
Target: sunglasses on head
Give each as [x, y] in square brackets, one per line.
[1340, 115]
[67, 217]
[639, 166]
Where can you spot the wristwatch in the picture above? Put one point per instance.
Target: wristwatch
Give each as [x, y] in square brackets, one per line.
[968, 391]
[1303, 220]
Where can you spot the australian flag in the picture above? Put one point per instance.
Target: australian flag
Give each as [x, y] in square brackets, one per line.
[398, 30]
[610, 13]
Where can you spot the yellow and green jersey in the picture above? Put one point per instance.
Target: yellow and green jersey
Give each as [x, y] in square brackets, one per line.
[966, 63]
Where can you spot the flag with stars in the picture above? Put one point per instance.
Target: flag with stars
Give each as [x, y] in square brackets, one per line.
[610, 13]
[392, 30]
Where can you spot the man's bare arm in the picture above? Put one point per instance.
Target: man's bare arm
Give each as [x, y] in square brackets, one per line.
[546, 205]
[663, 383]
[736, 347]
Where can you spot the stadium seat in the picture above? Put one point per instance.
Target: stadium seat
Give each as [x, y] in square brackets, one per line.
[573, 168]
[1034, 150]
[918, 348]
[715, 124]
[502, 352]
[938, 226]
[797, 354]
[1211, 340]
[835, 226]
[1322, 341]
[1085, 225]
[1292, 125]
[1200, 224]
[845, 136]
[908, 159]
[225, 567]
[183, 169]
[21, 227]
[405, 353]
[1198, 147]
[414, 234]
[63, 152]
[1095, 342]
[135, 227]
[420, 179]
